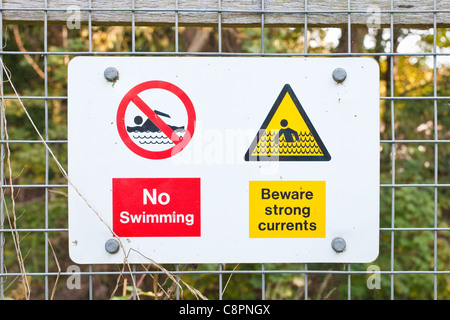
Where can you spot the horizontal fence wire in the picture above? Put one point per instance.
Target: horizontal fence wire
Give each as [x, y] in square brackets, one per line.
[220, 274]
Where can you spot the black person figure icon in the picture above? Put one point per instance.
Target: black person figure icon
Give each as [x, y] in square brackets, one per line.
[289, 134]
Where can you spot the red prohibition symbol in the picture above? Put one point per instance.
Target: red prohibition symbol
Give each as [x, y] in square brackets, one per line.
[179, 143]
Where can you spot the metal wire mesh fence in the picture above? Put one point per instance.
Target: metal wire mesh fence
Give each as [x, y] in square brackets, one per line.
[409, 40]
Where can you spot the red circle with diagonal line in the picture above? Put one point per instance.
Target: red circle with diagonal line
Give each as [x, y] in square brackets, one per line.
[179, 143]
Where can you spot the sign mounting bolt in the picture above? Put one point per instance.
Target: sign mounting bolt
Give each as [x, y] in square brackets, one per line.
[338, 244]
[339, 75]
[111, 74]
[112, 246]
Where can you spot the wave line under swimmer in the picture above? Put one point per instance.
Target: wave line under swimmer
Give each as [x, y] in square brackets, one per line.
[158, 135]
[155, 142]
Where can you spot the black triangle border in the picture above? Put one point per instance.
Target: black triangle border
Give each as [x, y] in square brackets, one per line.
[287, 89]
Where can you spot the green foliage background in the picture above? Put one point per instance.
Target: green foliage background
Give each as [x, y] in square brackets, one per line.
[402, 163]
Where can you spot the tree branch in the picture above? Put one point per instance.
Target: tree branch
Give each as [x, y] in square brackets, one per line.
[27, 57]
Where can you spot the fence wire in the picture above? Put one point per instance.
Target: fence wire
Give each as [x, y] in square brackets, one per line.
[43, 261]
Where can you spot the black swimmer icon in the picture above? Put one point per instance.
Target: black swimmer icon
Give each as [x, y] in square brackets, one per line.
[148, 125]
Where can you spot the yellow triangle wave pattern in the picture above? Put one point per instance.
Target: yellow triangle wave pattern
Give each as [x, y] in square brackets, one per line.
[306, 146]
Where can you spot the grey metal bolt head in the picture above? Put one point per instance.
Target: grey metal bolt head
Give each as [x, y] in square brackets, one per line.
[338, 244]
[339, 75]
[111, 74]
[112, 246]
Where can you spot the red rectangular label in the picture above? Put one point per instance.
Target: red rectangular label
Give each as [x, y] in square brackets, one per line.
[156, 207]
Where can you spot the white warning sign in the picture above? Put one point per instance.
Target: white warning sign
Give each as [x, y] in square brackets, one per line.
[213, 160]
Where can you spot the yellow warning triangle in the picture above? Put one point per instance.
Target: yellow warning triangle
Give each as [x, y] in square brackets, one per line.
[287, 134]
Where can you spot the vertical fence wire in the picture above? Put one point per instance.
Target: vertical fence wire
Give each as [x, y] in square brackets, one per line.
[46, 138]
[264, 272]
[2, 177]
[391, 91]
[436, 155]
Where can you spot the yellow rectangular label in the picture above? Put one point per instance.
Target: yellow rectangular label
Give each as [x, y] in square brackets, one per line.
[287, 209]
